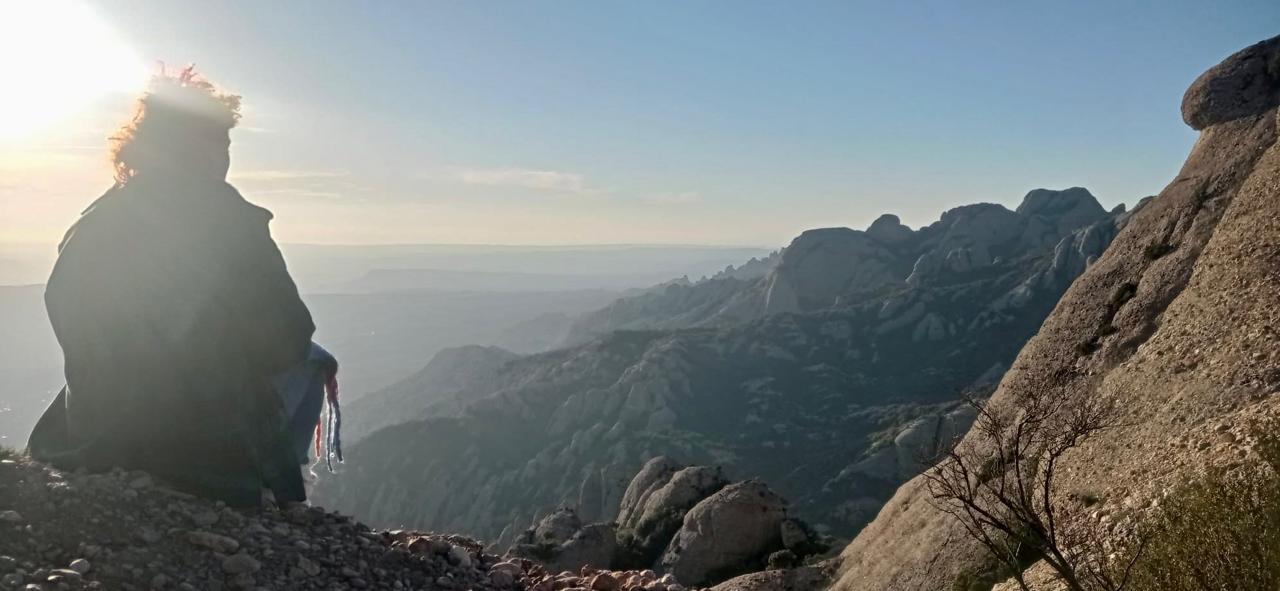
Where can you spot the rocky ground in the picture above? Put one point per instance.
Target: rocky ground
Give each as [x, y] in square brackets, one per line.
[690, 524]
[124, 530]
[127, 530]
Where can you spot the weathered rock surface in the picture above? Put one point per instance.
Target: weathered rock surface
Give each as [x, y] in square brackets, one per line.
[726, 534]
[1177, 321]
[916, 444]
[805, 578]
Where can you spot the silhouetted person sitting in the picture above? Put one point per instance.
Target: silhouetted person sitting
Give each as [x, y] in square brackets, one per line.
[178, 320]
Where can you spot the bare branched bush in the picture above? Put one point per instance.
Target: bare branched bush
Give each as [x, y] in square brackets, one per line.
[1001, 484]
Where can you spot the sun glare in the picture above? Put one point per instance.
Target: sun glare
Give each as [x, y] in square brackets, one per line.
[56, 58]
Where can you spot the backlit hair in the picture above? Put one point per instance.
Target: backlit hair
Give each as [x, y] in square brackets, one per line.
[173, 110]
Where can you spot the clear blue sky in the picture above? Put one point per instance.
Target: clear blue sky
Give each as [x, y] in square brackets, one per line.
[685, 122]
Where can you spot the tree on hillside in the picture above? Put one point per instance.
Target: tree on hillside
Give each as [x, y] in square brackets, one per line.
[1001, 484]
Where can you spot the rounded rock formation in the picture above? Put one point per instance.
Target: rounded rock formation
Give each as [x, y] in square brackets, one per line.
[726, 534]
[1247, 83]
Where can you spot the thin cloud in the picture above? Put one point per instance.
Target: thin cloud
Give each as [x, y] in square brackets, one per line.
[298, 193]
[288, 175]
[685, 198]
[538, 180]
[300, 184]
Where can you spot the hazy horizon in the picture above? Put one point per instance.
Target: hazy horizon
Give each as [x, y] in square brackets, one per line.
[583, 124]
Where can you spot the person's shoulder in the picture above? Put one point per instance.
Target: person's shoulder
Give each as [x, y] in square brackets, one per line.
[248, 210]
[90, 216]
[252, 221]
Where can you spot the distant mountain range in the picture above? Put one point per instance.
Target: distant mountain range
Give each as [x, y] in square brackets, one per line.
[826, 370]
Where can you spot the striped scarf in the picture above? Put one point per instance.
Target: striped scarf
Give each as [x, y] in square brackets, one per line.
[332, 420]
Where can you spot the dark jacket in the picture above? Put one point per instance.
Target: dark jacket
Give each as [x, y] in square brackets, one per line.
[173, 308]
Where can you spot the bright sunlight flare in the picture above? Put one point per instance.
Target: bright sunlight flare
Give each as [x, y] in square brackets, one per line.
[57, 57]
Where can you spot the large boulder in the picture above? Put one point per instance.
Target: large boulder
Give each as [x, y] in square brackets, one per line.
[557, 527]
[647, 531]
[560, 542]
[727, 534]
[593, 545]
[804, 578]
[655, 474]
[1242, 85]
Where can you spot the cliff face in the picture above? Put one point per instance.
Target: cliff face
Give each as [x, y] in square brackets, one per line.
[810, 399]
[1179, 322]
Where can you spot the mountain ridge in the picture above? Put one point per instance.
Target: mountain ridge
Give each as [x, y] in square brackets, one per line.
[571, 426]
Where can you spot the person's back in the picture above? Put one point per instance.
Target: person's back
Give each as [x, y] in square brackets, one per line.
[174, 309]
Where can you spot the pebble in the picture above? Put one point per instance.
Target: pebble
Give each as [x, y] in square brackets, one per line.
[241, 563]
[63, 573]
[213, 541]
[458, 556]
[11, 516]
[204, 518]
[502, 578]
[308, 567]
[80, 565]
[604, 582]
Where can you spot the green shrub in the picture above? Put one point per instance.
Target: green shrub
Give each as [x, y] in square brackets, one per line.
[640, 548]
[783, 559]
[1121, 296]
[1156, 250]
[1220, 532]
[981, 578]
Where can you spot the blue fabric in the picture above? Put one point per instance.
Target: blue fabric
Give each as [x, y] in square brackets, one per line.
[302, 394]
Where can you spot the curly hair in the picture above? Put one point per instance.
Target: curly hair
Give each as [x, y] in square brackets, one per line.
[174, 109]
